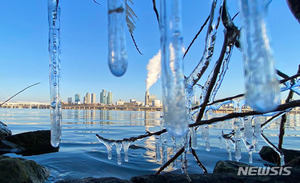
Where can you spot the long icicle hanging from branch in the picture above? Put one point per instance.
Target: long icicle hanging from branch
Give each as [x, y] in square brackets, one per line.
[54, 70]
[175, 115]
[262, 90]
[117, 54]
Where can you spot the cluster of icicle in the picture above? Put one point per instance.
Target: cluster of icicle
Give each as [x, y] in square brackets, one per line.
[262, 91]
[54, 70]
[118, 146]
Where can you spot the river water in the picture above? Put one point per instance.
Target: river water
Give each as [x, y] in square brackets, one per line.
[82, 155]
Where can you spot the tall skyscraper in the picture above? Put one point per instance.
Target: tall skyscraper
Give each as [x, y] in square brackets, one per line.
[93, 100]
[109, 98]
[84, 100]
[88, 98]
[77, 99]
[70, 100]
[147, 97]
[103, 97]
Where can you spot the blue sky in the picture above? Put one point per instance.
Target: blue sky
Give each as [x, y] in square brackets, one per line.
[24, 53]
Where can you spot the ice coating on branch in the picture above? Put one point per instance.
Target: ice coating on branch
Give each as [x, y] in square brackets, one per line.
[294, 86]
[262, 90]
[175, 115]
[157, 147]
[209, 44]
[126, 145]
[117, 54]
[54, 70]
[118, 150]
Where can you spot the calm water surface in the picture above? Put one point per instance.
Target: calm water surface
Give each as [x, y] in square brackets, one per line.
[82, 155]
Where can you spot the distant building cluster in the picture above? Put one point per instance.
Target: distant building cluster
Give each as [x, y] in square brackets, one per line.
[106, 98]
[91, 98]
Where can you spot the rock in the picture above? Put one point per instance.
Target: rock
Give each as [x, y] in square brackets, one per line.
[95, 180]
[28, 143]
[18, 170]
[228, 167]
[268, 154]
[4, 131]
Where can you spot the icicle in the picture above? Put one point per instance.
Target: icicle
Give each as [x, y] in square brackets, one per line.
[228, 149]
[118, 150]
[248, 131]
[257, 131]
[126, 145]
[117, 55]
[237, 135]
[193, 133]
[108, 147]
[220, 142]
[174, 146]
[206, 137]
[164, 148]
[157, 147]
[54, 70]
[183, 156]
[262, 90]
[175, 114]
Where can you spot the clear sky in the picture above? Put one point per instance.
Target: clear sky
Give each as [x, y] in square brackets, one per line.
[24, 53]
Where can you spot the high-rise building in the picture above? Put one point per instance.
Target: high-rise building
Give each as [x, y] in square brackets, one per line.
[103, 97]
[109, 98]
[84, 100]
[93, 100]
[77, 99]
[88, 98]
[147, 98]
[70, 100]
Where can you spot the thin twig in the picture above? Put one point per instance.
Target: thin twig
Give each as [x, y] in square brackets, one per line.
[96, 2]
[196, 36]
[170, 161]
[19, 93]
[198, 161]
[155, 11]
[136, 46]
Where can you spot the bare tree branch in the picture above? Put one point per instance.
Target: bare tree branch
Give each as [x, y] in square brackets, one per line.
[19, 93]
[170, 161]
[196, 36]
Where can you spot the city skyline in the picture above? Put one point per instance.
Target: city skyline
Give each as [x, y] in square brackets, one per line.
[106, 97]
[24, 54]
